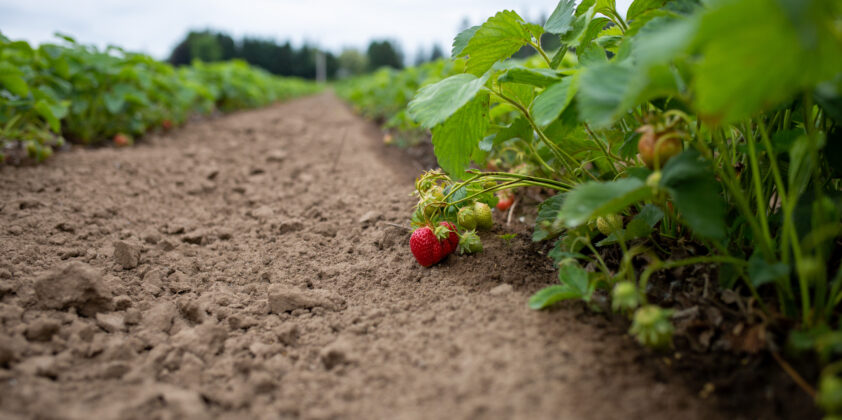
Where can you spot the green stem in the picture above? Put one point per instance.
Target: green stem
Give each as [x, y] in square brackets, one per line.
[762, 204]
[728, 176]
[561, 155]
[540, 50]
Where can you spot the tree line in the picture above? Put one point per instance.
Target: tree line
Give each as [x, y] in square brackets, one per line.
[284, 59]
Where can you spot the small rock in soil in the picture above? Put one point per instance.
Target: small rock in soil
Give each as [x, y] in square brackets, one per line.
[126, 254]
[76, 285]
[7, 351]
[288, 226]
[370, 217]
[262, 213]
[41, 330]
[111, 322]
[160, 317]
[198, 237]
[336, 353]
[39, 366]
[276, 156]
[166, 245]
[284, 299]
[502, 289]
[122, 302]
[288, 334]
[151, 237]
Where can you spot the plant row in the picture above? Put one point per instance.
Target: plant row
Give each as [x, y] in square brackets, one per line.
[71, 92]
[709, 123]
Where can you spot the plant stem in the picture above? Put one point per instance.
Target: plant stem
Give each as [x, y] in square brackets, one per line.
[762, 204]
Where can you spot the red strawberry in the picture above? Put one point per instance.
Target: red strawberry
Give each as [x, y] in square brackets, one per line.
[122, 140]
[167, 124]
[426, 247]
[505, 200]
[452, 240]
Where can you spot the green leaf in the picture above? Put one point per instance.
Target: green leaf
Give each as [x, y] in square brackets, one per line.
[576, 277]
[801, 165]
[437, 102]
[574, 285]
[561, 20]
[605, 93]
[639, 6]
[662, 39]
[593, 55]
[535, 77]
[14, 84]
[690, 180]
[114, 102]
[497, 39]
[11, 78]
[594, 199]
[554, 100]
[551, 295]
[761, 272]
[518, 129]
[748, 65]
[43, 109]
[548, 212]
[455, 140]
[639, 227]
[461, 41]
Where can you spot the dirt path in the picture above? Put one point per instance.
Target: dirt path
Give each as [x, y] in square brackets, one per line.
[245, 268]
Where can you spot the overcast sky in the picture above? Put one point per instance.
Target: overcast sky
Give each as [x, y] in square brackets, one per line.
[155, 26]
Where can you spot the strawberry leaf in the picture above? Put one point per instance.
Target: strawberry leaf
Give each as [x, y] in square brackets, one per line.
[497, 39]
[435, 103]
[454, 141]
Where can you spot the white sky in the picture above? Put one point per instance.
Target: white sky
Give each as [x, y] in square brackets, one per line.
[155, 26]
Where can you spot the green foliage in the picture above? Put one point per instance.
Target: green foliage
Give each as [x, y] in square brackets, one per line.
[738, 102]
[78, 92]
[574, 285]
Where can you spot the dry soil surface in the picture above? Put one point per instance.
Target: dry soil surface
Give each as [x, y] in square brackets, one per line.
[249, 267]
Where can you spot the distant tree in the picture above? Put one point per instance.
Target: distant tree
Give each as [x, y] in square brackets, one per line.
[280, 59]
[206, 48]
[382, 54]
[227, 46]
[437, 53]
[202, 45]
[352, 62]
[420, 56]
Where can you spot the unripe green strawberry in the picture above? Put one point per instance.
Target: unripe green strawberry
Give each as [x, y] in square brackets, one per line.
[483, 215]
[470, 243]
[652, 326]
[624, 296]
[467, 218]
[428, 207]
[609, 224]
[830, 393]
[435, 192]
[489, 184]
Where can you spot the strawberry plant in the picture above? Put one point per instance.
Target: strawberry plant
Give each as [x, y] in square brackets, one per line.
[716, 123]
[87, 95]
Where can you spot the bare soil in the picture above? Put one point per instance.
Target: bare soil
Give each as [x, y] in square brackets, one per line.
[250, 267]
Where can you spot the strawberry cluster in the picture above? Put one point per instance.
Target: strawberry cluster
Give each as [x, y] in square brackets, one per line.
[430, 245]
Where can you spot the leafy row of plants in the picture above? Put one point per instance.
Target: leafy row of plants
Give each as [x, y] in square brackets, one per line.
[73, 92]
[716, 123]
[384, 94]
